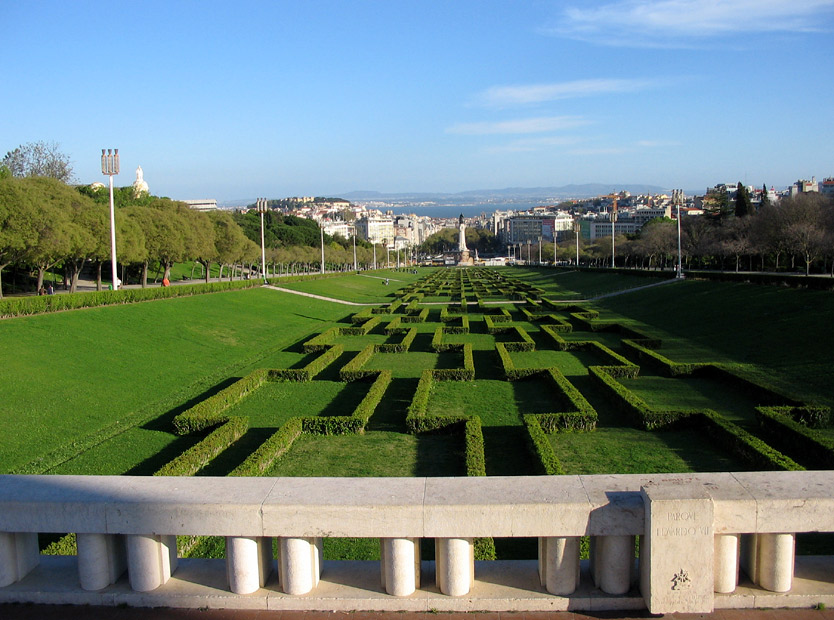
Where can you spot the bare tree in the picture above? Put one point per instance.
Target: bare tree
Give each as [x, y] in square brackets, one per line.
[38, 159]
[803, 226]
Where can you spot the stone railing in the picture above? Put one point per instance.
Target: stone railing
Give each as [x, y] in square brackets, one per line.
[695, 532]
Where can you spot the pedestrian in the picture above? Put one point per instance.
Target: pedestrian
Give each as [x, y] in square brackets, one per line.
[50, 290]
[166, 282]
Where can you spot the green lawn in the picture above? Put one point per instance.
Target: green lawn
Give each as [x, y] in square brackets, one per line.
[367, 287]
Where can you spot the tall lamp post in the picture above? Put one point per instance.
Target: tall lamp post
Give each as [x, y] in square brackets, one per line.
[540, 251]
[374, 255]
[110, 167]
[576, 227]
[355, 266]
[613, 221]
[321, 228]
[261, 204]
[677, 198]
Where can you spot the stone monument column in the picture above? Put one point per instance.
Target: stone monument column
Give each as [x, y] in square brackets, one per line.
[462, 235]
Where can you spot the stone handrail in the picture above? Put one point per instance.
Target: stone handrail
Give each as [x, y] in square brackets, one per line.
[695, 531]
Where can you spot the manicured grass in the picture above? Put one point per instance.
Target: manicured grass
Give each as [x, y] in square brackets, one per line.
[631, 451]
[71, 374]
[784, 333]
[367, 287]
[560, 284]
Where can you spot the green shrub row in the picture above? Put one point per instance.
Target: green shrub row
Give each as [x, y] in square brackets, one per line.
[389, 309]
[644, 352]
[362, 316]
[321, 341]
[474, 447]
[201, 454]
[269, 451]
[634, 407]
[743, 444]
[525, 342]
[540, 447]
[210, 412]
[731, 375]
[463, 328]
[310, 370]
[780, 426]
[398, 347]
[396, 326]
[417, 421]
[352, 371]
[420, 317]
[467, 373]
[510, 371]
[578, 414]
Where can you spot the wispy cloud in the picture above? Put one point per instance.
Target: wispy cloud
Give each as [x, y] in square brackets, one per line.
[503, 96]
[529, 145]
[667, 22]
[541, 124]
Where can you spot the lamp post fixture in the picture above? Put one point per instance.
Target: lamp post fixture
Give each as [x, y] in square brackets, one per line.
[374, 255]
[110, 167]
[321, 228]
[576, 227]
[677, 198]
[261, 204]
[355, 266]
[540, 251]
[613, 221]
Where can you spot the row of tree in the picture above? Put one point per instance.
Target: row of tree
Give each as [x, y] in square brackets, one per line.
[46, 224]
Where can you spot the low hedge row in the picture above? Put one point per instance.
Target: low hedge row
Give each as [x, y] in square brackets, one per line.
[210, 412]
[200, 454]
[396, 327]
[524, 342]
[540, 446]
[269, 451]
[731, 375]
[352, 371]
[420, 317]
[321, 341]
[578, 413]
[781, 428]
[463, 328]
[362, 316]
[643, 351]
[467, 373]
[510, 371]
[302, 375]
[398, 347]
[743, 444]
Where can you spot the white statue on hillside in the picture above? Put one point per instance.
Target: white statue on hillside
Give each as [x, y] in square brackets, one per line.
[139, 185]
[462, 236]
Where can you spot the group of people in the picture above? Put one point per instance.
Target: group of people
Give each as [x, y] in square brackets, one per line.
[49, 290]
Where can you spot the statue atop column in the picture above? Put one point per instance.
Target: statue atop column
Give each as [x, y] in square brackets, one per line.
[462, 236]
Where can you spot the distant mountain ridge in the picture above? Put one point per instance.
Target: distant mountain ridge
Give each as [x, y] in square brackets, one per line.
[564, 192]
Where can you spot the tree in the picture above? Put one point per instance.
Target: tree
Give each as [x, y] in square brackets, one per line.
[744, 206]
[803, 221]
[18, 231]
[765, 202]
[38, 159]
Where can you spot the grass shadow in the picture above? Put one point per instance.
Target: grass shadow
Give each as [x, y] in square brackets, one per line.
[164, 422]
[391, 412]
[167, 454]
[235, 454]
[487, 365]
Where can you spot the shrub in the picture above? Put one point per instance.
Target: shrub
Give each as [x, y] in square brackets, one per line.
[209, 412]
[200, 454]
[352, 371]
[276, 446]
[321, 341]
[398, 347]
[541, 448]
[793, 437]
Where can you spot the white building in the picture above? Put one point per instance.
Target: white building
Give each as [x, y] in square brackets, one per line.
[207, 204]
[376, 229]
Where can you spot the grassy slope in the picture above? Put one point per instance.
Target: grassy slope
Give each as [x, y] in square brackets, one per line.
[72, 373]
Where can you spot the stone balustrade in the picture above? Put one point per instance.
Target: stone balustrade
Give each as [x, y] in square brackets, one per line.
[695, 533]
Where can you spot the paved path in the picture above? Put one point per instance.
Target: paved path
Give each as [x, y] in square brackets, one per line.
[89, 612]
[322, 297]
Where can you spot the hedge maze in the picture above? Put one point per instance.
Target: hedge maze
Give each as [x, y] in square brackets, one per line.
[516, 381]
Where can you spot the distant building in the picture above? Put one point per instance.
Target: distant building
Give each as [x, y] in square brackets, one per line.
[826, 187]
[376, 229]
[804, 186]
[202, 205]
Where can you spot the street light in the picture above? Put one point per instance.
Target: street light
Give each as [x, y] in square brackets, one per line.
[613, 220]
[355, 266]
[110, 167]
[321, 228]
[576, 227]
[540, 251]
[677, 198]
[261, 204]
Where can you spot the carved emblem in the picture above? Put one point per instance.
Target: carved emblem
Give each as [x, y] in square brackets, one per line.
[681, 581]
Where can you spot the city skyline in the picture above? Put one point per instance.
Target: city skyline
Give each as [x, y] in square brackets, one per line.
[320, 98]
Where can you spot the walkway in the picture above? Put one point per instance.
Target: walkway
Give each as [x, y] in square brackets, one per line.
[64, 612]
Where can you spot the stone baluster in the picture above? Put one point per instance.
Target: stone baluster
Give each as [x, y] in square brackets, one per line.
[102, 559]
[151, 560]
[726, 550]
[612, 563]
[248, 562]
[455, 563]
[300, 564]
[400, 565]
[775, 559]
[559, 564]
[18, 555]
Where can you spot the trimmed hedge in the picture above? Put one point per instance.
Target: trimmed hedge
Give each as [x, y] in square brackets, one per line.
[781, 427]
[642, 351]
[321, 341]
[269, 451]
[474, 447]
[201, 454]
[352, 371]
[540, 446]
[310, 370]
[398, 347]
[209, 412]
[526, 342]
[416, 318]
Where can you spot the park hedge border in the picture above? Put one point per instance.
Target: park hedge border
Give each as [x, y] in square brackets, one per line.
[199, 455]
[793, 437]
[546, 458]
[353, 371]
[398, 347]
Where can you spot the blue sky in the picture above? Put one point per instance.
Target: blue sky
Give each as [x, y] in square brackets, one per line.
[233, 100]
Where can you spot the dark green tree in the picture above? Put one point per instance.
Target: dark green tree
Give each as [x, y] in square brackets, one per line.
[765, 200]
[744, 205]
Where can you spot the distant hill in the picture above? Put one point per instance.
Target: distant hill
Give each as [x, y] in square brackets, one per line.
[587, 190]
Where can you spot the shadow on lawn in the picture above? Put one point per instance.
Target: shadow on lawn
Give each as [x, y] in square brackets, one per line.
[164, 422]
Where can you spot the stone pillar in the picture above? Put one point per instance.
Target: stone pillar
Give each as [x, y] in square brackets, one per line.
[19, 554]
[676, 565]
[749, 547]
[101, 559]
[151, 560]
[400, 565]
[612, 563]
[455, 563]
[775, 559]
[300, 564]
[248, 562]
[726, 550]
[559, 564]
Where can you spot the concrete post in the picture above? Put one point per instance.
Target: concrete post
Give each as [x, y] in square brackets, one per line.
[300, 564]
[400, 565]
[613, 561]
[726, 562]
[19, 554]
[101, 560]
[150, 560]
[559, 564]
[247, 563]
[775, 561]
[455, 563]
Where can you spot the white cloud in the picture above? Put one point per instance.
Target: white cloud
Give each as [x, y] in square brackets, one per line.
[529, 145]
[520, 126]
[500, 96]
[665, 22]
